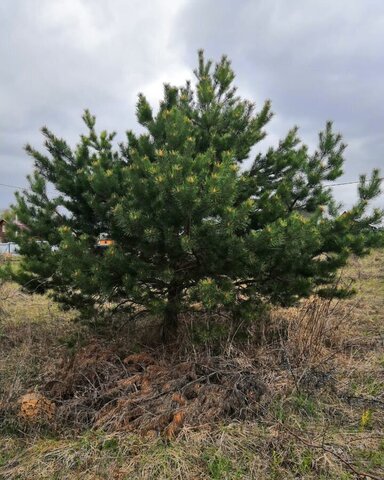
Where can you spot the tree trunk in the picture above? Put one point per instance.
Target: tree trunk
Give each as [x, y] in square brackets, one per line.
[171, 314]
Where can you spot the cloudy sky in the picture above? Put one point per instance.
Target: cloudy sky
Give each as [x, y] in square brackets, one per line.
[315, 59]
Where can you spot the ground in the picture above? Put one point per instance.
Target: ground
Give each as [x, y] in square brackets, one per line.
[303, 397]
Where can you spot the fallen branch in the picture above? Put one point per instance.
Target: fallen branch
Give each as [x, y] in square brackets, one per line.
[322, 447]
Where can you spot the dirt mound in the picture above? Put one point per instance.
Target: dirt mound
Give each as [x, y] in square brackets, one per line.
[150, 394]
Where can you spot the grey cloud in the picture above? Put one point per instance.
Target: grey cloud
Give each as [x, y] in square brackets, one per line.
[316, 60]
[63, 56]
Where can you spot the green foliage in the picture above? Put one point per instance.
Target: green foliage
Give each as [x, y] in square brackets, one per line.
[220, 466]
[374, 456]
[305, 405]
[188, 222]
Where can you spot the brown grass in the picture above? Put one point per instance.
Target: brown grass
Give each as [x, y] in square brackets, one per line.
[303, 400]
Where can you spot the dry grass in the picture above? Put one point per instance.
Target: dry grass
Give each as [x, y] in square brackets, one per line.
[305, 402]
[234, 451]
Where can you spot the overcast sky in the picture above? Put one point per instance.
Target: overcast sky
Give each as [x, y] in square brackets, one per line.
[315, 59]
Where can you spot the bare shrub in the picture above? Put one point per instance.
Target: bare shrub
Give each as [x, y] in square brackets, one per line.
[312, 328]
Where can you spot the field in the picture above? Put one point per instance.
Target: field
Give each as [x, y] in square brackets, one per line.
[301, 396]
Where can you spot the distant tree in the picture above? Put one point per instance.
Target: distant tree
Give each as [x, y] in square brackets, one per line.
[187, 220]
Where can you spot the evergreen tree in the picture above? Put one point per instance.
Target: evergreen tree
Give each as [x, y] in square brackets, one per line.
[187, 221]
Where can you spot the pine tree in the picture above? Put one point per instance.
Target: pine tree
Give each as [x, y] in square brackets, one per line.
[187, 221]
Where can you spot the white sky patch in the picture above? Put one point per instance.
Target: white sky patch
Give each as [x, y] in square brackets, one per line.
[177, 77]
[74, 21]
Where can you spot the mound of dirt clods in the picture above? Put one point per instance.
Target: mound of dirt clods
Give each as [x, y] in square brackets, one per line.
[149, 393]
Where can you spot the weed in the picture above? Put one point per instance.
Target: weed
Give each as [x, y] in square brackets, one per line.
[306, 461]
[366, 420]
[305, 405]
[219, 467]
[110, 444]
